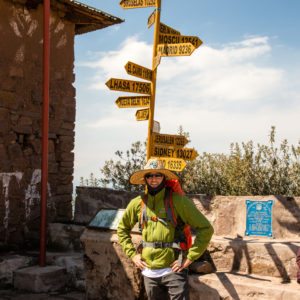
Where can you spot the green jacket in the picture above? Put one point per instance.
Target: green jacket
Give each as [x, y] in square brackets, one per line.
[157, 258]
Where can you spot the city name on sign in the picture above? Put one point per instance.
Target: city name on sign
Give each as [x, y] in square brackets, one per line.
[172, 164]
[170, 140]
[126, 4]
[179, 39]
[136, 101]
[184, 153]
[184, 49]
[151, 19]
[124, 85]
[142, 114]
[138, 71]
[165, 29]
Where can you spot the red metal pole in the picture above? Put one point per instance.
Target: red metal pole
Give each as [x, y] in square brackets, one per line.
[45, 129]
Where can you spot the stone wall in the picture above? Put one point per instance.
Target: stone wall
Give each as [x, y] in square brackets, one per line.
[21, 97]
[226, 213]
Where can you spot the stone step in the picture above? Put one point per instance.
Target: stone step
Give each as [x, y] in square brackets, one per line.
[266, 257]
[240, 286]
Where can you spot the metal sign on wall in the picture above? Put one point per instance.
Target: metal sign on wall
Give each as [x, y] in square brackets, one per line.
[259, 218]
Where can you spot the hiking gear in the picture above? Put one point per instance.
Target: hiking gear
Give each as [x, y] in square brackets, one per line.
[159, 258]
[153, 165]
[183, 235]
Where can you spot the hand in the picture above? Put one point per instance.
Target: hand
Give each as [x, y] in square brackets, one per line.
[137, 260]
[176, 267]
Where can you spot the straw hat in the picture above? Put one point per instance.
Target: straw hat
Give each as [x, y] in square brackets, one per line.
[153, 165]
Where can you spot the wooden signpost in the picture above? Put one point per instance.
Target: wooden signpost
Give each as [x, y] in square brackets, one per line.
[127, 4]
[179, 39]
[136, 101]
[170, 140]
[184, 153]
[142, 114]
[163, 28]
[168, 42]
[173, 164]
[138, 71]
[124, 85]
[184, 49]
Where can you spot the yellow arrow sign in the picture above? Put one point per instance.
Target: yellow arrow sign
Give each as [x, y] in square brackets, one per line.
[138, 71]
[137, 101]
[173, 164]
[151, 19]
[176, 141]
[137, 3]
[179, 39]
[184, 153]
[130, 86]
[142, 114]
[163, 28]
[184, 49]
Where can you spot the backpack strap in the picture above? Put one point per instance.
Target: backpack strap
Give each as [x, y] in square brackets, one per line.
[168, 201]
[143, 217]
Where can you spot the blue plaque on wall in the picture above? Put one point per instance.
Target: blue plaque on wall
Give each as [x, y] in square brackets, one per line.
[259, 218]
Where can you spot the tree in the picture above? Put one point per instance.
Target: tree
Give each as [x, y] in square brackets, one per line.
[247, 170]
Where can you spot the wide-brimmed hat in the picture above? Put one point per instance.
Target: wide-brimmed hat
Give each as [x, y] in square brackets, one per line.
[152, 165]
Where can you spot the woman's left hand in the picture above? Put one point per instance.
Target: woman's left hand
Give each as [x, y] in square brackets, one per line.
[176, 267]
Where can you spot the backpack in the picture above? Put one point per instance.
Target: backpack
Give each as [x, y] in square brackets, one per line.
[183, 234]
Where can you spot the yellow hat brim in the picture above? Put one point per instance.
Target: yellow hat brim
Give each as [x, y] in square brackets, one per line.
[139, 176]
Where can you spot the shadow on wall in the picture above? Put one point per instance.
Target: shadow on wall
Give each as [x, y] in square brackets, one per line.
[290, 204]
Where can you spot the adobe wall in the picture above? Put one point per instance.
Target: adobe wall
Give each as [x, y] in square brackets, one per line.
[226, 213]
[21, 96]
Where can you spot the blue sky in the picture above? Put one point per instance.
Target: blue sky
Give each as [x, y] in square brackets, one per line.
[240, 82]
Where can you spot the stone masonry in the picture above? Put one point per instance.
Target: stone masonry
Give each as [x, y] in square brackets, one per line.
[21, 104]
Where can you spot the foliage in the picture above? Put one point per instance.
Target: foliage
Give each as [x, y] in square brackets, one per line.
[117, 173]
[247, 170]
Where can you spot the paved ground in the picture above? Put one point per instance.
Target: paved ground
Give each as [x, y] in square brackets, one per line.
[19, 295]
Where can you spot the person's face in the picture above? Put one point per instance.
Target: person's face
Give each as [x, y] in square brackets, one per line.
[154, 179]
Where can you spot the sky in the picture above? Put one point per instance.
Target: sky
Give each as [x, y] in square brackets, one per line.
[244, 79]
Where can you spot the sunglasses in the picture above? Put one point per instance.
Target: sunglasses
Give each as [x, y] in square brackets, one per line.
[158, 175]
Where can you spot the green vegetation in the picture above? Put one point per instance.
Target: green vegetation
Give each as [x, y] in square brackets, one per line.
[247, 170]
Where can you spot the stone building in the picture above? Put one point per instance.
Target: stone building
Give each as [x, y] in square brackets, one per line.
[21, 97]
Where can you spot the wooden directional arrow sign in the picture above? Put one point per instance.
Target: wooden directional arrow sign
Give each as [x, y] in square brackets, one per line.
[185, 49]
[130, 86]
[137, 101]
[138, 71]
[184, 153]
[173, 164]
[163, 28]
[151, 19]
[179, 39]
[137, 3]
[142, 114]
[177, 141]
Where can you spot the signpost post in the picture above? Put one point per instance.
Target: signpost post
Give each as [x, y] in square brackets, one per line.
[167, 42]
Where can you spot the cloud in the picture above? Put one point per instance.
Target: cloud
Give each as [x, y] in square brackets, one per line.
[231, 93]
